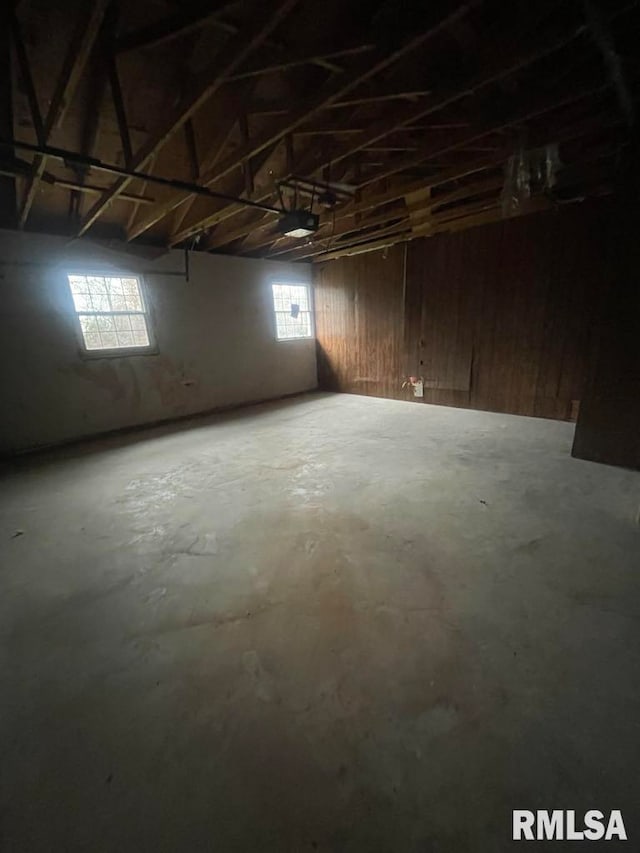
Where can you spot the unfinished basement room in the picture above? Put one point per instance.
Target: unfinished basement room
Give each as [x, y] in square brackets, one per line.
[320, 434]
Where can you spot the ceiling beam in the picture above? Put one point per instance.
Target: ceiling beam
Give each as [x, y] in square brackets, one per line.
[264, 21]
[518, 61]
[185, 198]
[75, 60]
[409, 95]
[462, 222]
[229, 103]
[475, 212]
[97, 76]
[116, 89]
[451, 173]
[27, 77]
[403, 212]
[366, 69]
[367, 203]
[175, 26]
[404, 230]
[331, 93]
[21, 168]
[566, 134]
[564, 99]
[143, 189]
[82, 161]
[335, 131]
[215, 241]
[92, 189]
[305, 59]
[192, 150]
[403, 236]
[411, 214]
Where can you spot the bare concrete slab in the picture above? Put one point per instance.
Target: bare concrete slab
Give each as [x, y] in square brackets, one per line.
[334, 623]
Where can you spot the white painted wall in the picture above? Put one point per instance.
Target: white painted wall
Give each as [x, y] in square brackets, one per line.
[215, 338]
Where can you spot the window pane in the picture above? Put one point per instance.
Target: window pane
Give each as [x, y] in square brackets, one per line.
[109, 339]
[114, 286]
[122, 322]
[105, 322]
[125, 339]
[137, 321]
[100, 302]
[140, 338]
[118, 302]
[78, 284]
[96, 285]
[97, 298]
[92, 340]
[133, 302]
[290, 327]
[291, 304]
[130, 291]
[82, 301]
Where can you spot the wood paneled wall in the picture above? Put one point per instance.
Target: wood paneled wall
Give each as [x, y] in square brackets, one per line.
[497, 317]
[608, 428]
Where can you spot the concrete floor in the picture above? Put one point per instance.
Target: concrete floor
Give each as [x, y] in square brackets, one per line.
[333, 624]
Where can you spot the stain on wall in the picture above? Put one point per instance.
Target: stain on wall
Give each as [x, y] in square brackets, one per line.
[215, 340]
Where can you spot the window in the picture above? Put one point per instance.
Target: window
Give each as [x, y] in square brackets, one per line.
[293, 315]
[110, 311]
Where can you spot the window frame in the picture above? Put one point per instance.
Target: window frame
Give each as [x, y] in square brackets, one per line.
[291, 282]
[113, 352]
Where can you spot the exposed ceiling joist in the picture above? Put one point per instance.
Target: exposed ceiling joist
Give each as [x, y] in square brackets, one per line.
[572, 132]
[143, 189]
[227, 116]
[367, 68]
[315, 161]
[371, 201]
[306, 59]
[563, 99]
[479, 82]
[331, 94]
[403, 212]
[232, 55]
[465, 218]
[228, 102]
[116, 89]
[194, 17]
[380, 97]
[76, 58]
[27, 77]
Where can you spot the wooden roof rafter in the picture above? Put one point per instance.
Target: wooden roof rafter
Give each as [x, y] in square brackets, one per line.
[233, 55]
[177, 25]
[367, 68]
[210, 96]
[76, 58]
[315, 162]
[560, 134]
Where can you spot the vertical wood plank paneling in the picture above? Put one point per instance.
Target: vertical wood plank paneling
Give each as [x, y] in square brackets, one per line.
[496, 317]
[359, 323]
[608, 428]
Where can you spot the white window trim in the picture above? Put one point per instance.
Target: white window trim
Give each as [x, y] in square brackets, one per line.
[116, 352]
[293, 282]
